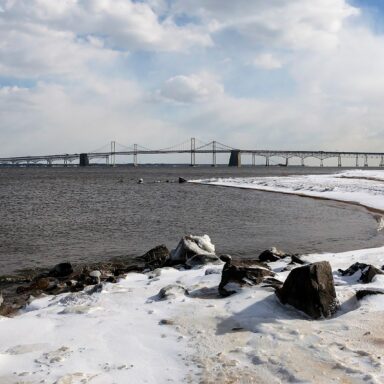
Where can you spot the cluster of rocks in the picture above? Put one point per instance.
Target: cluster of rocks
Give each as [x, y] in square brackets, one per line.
[308, 287]
[18, 290]
[64, 277]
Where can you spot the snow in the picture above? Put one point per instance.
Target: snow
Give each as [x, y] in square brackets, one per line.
[362, 187]
[127, 333]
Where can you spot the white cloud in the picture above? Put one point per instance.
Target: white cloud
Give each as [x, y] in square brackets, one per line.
[122, 24]
[267, 61]
[74, 118]
[297, 24]
[192, 88]
[78, 58]
[35, 50]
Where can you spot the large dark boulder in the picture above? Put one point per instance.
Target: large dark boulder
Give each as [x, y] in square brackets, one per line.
[310, 288]
[156, 257]
[61, 270]
[241, 275]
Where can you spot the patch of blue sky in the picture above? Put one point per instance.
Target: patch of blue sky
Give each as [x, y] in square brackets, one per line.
[372, 12]
[17, 82]
[151, 68]
[184, 19]
[142, 66]
[252, 82]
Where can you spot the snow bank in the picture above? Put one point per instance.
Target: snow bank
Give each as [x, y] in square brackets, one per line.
[362, 187]
[126, 334]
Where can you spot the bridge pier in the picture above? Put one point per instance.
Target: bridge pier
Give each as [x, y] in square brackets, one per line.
[135, 155]
[381, 161]
[339, 161]
[193, 154]
[357, 160]
[253, 159]
[83, 160]
[213, 153]
[113, 155]
[302, 162]
[267, 161]
[365, 161]
[235, 159]
[286, 161]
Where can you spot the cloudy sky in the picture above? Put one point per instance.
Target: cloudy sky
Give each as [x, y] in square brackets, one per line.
[280, 74]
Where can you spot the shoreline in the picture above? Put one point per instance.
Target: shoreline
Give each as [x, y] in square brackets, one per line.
[371, 210]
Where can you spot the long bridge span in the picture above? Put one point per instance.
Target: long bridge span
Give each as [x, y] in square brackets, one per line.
[194, 147]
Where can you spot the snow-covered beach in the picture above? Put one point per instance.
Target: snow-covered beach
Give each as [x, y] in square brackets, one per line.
[127, 333]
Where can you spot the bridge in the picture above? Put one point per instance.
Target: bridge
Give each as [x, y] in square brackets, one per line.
[193, 147]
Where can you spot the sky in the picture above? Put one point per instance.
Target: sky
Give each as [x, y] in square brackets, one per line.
[276, 74]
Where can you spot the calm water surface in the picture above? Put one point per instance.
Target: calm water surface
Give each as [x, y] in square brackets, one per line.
[49, 215]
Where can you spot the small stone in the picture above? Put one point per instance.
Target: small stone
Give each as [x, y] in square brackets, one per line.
[171, 291]
[166, 322]
[61, 270]
[272, 254]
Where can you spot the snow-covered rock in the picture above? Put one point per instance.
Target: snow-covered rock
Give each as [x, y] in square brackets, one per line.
[190, 246]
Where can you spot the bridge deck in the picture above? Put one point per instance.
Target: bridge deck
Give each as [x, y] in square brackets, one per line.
[213, 150]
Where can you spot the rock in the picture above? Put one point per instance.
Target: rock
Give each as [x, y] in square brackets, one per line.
[78, 287]
[364, 292]
[1, 298]
[95, 276]
[272, 282]
[156, 257]
[21, 289]
[43, 283]
[182, 180]
[166, 322]
[212, 271]
[190, 246]
[295, 259]
[310, 288]
[369, 273]
[240, 275]
[140, 181]
[202, 260]
[271, 254]
[171, 291]
[353, 269]
[61, 270]
[7, 310]
[95, 289]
